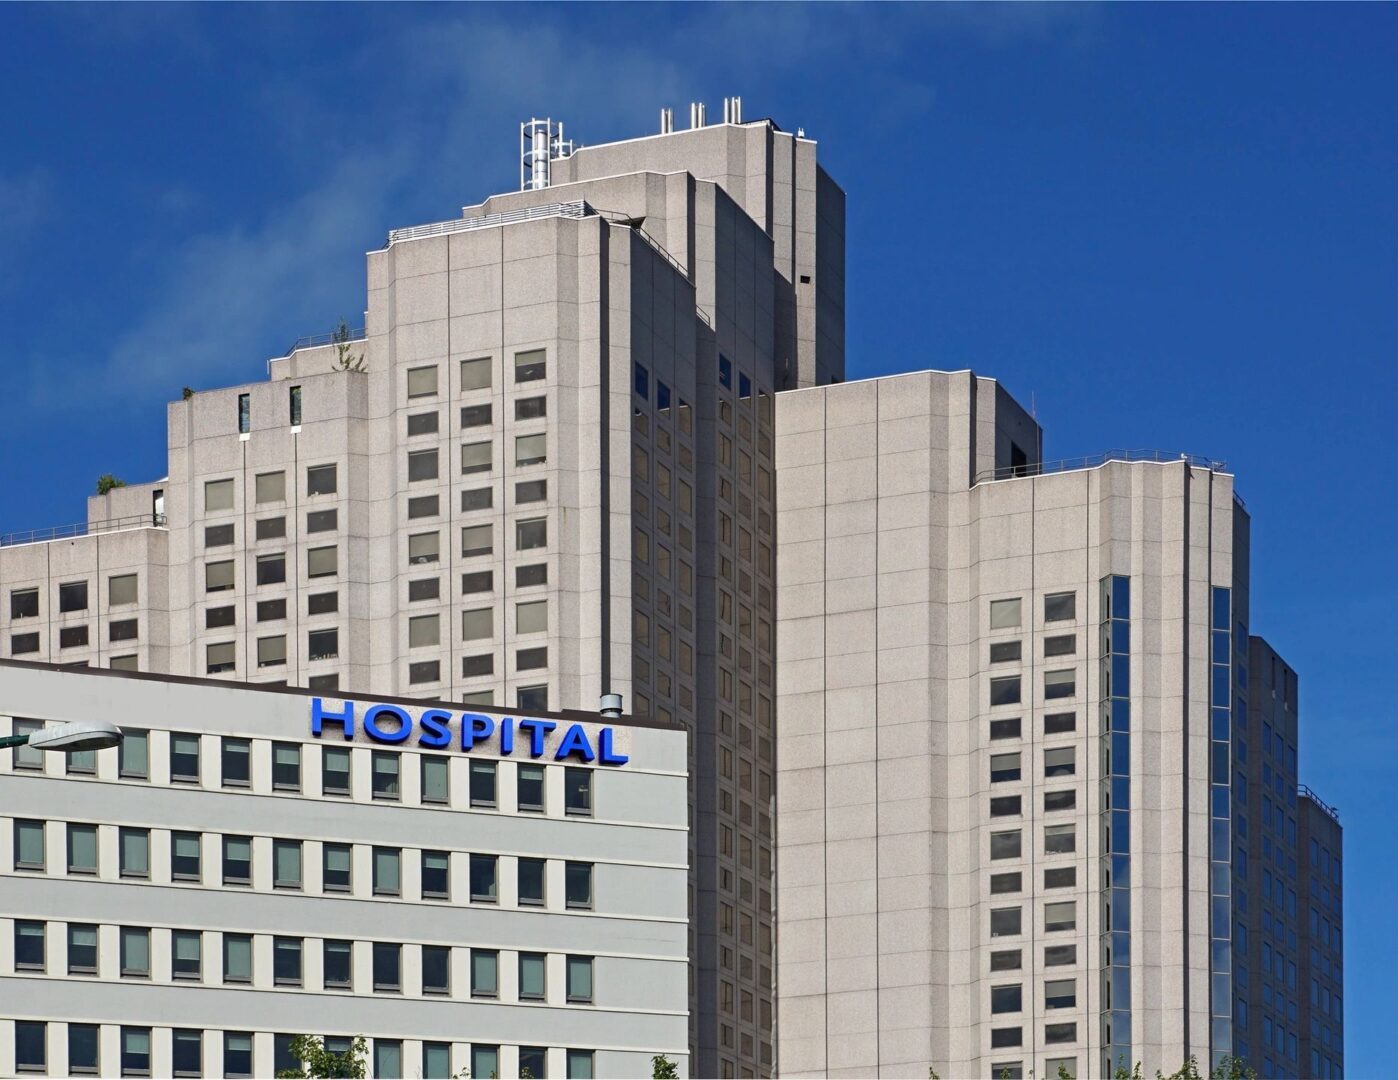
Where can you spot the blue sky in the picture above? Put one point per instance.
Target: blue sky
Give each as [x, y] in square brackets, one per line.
[1174, 226]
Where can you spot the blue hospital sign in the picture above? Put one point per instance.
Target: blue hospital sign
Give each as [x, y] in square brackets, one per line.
[438, 729]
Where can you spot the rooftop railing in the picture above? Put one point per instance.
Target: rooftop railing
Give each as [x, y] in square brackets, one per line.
[85, 528]
[315, 341]
[1042, 468]
[1307, 793]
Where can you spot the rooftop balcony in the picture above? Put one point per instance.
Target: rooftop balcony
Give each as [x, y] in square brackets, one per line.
[1306, 793]
[86, 528]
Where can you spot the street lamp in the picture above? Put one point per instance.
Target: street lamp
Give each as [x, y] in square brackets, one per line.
[69, 738]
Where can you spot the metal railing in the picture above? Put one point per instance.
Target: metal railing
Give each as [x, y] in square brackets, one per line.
[618, 218]
[578, 209]
[1040, 468]
[315, 341]
[86, 528]
[1305, 792]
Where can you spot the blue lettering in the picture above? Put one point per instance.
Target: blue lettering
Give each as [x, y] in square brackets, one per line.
[507, 736]
[537, 730]
[372, 729]
[574, 743]
[608, 756]
[319, 716]
[474, 727]
[435, 733]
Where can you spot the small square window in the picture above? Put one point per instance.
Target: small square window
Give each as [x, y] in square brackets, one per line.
[477, 499]
[422, 381]
[271, 487]
[1060, 607]
[475, 373]
[1004, 614]
[475, 457]
[1005, 690]
[1060, 684]
[1060, 761]
[422, 465]
[531, 533]
[321, 480]
[72, 596]
[530, 366]
[121, 589]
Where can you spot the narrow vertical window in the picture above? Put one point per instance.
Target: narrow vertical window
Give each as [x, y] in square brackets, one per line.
[244, 413]
[295, 406]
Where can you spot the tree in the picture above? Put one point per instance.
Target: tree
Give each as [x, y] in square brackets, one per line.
[107, 481]
[662, 1068]
[340, 337]
[316, 1061]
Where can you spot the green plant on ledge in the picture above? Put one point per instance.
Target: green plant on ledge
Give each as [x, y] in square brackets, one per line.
[340, 337]
[107, 481]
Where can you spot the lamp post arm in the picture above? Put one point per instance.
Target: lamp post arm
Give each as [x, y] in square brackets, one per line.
[13, 740]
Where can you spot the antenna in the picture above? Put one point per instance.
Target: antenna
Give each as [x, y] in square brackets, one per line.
[541, 142]
[667, 121]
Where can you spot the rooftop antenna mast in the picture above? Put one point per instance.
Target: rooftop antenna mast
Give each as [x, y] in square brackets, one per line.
[541, 143]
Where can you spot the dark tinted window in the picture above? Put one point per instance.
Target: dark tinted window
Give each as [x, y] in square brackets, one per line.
[322, 520]
[422, 423]
[269, 610]
[479, 582]
[271, 528]
[531, 408]
[423, 506]
[475, 416]
[424, 589]
[533, 574]
[477, 499]
[322, 603]
[72, 596]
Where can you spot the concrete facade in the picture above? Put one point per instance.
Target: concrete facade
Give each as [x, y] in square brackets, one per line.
[1004, 818]
[231, 878]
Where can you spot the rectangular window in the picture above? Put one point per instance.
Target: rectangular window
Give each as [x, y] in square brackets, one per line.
[475, 457]
[1060, 723]
[21, 644]
[1060, 607]
[436, 1060]
[1006, 999]
[286, 767]
[237, 1053]
[533, 574]
[135, 1051]
[1060, 1033]
[485, 970]
[483, 784]
[271, 651]
[321, 480]
[184, 758]
[216, 618]
[135, 952]
[477, 499]
[531, 408]
[323, 644]
[1005, 729]
[218, 495]
[474, 666]
[25, 756]
[475, 373]
[1060, 800]
[1060, 839]
[1004, 767]
[1006, 883]
[1060, 994]
[532, 617]
[388, 967]
[1061, 877]
[1060, 684]
[184, 856]
[577, 791]
[323, 520]
[422, 465]
[29, 945]
[424, 631]
[577, 884]
[532, 976]
[1005, 690]
[1005, 845]
[531, 534]
[83, 1058]
[484, 879]
[335, 867]
[436, 969]
[478, 624]
[436, 875]
[530, 787]
[1060, 761]
[384, 771]
[186, 954]
[388, 875]
[271, 487]
[335, 770]
[82, 949]
[294, 403]
[424, 548]
[476, 416]
[531, 491]
[532, 698]
[485, 1060]
[1004, 614]
[531, 449]
[1004, 652]
[31, 1046]
[218, 535]
[286, 961]
[1005, 806]
[530, 366]
[337, 964]
[123, 630]
[1005, 922]
[322, 562]
[236, 761]
[422, 506]
[237, 860]
[72, 596]
[435, 779]
[422, 381]
[1061, 645]
[82, 849]
[424, 589]
[244, 413]
[24, 603]
[133, 852]
[286, 864]
[1006, 960]
[531, 659]
[218, 576]
[325, 603]
[121, 589]
[1060, 915]
[531, 882]
[477, 540]
[424, 423]
[479, 582]
[70, 637]
[641, 381]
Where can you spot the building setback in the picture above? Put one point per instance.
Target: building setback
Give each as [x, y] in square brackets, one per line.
[542, 472]
[1022, 761]
[251, 865]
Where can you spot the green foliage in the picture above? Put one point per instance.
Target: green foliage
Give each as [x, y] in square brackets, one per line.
[107, 481]
[1063, 1073]
[932, 1074]
[322, 1064]
[344, 361]
[1121, 1072]
[1233, 1068]
[662, 1068]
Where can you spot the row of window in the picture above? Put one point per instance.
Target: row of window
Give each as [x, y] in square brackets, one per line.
[236, 770]
[1058, 994]
[187, 1054]
[73, 596]
[288, 869]
[1004, 652]
[1053, 1067]
[1005, 689]
[235, 954]
[1008, 614]
[1059, 915]
[79, 636]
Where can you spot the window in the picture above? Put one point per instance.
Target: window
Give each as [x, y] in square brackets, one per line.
[725, 371]
[1004, 614]
[531, 533]
[436, 875]
[135, 952]
[478, 582]
[286, 767]
[31, 1046]
[294, 402]
[577, 791]
[1005, 845]
[1060, 684]
[475, 375]
[436, 1060]
[530, 366]
[641, 381]
[385, 765]
[337, 964]
[1060, 915]
[532, 617]
[484, 878]
[530, 787]
[322, 562]
[237, 1053]
[577, 885]
[271, 487]
[475, 457]
[531, 491]
[218, 576]
[424, 631]
[324, 603]
[185, 757]
[335, 770]
[531, 882]
[1060, 761]
[477, 540]
[125, 663]
[1006, 883]
[1060, 839]
[1060, 800]
[186, 954]
[532, 976]
[321, 480]
[123, 629]
[436, 782]
[1006, 960]
[477, 499]
[135, 1051]
[272, 528]
[1061, 877]
[476, 416]
[485, 971]
[286, 961]
[1004, 767]
[218, 495]
[483, 783]
[1004, 652]
[81, 761]
[422, 381]
[477, 624]
[24, 756]
[533, 574]
[72, 596]
[422, 465]
[531, 408]
[82, 849]
[133, 852]
[24, 643]
[219, 535]
[531, 449]
[1060, 1033]
[1062, 645]
[472, 666]
[237, 958]
[1060, 723]
[121, 589]
[485, 1060]
[1006, 999]
[388, 957]
[1004, 690]
[532, 698]
[1005, 729]
[424, 548]
[286, 864]
[323, 644]
[24, 603]
[387, 871]
[216, 617]
[235, 759]
[423, 506]
[436, 969]
[82, 949]
[244, 413]
[579, 977]
[531, 660]
[82, 1049]
[335, 867]
[1061, 994]
[323, 520]
[1005, 806]
[184, 856]
[29, 945]
[1060, 607]
[237, 860]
